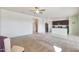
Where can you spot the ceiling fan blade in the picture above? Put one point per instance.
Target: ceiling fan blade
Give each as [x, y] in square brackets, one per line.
[36, 7]
[32, 10]
[42, 10]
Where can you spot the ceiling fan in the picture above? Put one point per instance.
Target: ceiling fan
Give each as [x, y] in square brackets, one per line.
[38, 10]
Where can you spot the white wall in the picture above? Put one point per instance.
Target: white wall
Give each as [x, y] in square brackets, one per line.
[41, 25]
[73, 25]
[15, 24]
[78, 25]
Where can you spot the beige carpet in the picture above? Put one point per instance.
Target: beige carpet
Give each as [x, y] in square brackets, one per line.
[41, 43]
[32, 45]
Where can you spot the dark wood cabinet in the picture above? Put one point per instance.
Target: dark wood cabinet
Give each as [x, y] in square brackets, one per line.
[61, 24]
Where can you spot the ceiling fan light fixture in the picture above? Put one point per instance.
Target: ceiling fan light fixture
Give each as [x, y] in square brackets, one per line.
[37, 11]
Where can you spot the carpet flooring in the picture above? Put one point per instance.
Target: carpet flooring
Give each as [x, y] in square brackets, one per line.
[42, 43]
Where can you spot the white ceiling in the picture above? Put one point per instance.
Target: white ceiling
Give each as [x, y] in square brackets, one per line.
[51, 12]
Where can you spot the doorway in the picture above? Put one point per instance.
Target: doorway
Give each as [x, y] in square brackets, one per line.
[35, 26]
[46, 27]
